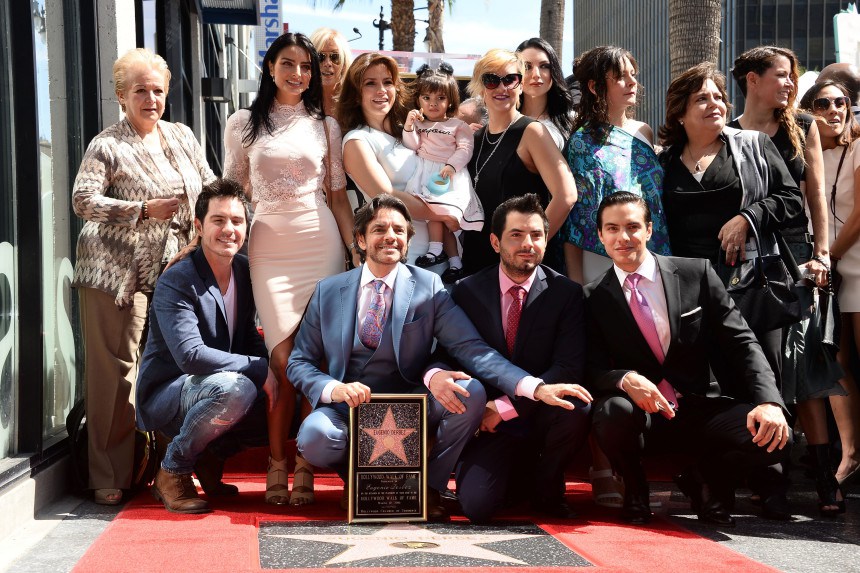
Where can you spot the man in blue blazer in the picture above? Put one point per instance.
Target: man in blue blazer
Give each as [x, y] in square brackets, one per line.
[205, 363]
[374, 327]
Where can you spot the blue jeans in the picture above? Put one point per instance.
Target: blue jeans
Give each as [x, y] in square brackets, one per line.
[209, 406]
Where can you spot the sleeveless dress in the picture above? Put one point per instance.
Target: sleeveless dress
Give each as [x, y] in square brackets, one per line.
[294, 240]
[603, 165]
[501, 174]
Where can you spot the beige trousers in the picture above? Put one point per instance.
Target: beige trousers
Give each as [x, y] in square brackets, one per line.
[111, 347]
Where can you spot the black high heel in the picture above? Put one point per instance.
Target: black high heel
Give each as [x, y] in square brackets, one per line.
[825, 483]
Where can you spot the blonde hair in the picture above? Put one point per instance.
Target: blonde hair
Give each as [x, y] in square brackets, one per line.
[491, 62]
[133, 58]
[319, 39]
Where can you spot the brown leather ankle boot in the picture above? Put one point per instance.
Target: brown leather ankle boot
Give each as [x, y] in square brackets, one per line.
[209, 470]
[178, 493]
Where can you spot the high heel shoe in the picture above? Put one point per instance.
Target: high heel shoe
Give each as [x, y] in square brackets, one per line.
[829, 490]
[303, 483]
[277, 482]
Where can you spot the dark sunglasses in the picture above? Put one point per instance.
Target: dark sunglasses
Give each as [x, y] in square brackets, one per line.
[492, 81]
[334, 57]
[823, 103]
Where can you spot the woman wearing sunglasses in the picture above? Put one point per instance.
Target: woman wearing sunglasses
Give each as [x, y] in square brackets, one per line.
[830, 104]
[514, 155]
[767, 76]
[609, 151]
[335, 58]
[545, 96]
[280, 150]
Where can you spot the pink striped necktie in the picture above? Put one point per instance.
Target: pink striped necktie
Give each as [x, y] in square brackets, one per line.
[645, 320]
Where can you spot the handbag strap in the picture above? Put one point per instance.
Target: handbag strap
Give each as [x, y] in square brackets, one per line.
[327, 177]
[781, 245]
[833, 190]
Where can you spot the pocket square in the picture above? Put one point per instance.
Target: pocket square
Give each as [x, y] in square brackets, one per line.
[694, 311]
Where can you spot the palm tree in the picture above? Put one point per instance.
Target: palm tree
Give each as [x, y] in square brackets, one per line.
[403, 23]
[694, 33]
[552, 23]
[436, 9]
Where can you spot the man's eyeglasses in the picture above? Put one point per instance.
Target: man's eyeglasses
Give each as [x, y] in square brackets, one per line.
[333, 57]
[823, 103]
[492, 81]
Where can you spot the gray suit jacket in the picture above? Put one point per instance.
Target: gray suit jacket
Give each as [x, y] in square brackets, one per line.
[421, 310]
[188, 335]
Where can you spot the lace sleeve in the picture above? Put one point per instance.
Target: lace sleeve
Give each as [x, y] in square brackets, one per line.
[236, 162]
[338, 177]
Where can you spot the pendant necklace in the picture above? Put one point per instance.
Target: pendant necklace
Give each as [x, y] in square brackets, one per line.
[486, 138]
[698, 164]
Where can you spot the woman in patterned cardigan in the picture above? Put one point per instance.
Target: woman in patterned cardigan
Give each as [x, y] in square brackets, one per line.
[136, 190]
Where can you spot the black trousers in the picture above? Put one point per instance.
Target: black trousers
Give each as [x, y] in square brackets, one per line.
[529, 454]
[712, 431]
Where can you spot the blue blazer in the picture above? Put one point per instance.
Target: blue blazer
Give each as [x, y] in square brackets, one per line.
[188, 336]
[421, 310]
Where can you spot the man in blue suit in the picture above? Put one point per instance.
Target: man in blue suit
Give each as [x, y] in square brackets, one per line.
[205, 363]
[374, 327]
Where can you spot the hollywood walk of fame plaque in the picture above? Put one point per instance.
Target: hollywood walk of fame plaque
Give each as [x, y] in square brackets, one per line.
[388, 459]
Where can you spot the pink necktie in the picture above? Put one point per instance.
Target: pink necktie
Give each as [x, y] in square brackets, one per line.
[513, 318]
[371, 328]
[645, 320]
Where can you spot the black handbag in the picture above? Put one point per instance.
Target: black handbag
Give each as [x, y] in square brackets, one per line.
[763, 287]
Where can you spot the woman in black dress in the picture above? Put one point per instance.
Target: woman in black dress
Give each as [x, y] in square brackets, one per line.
[514, 155]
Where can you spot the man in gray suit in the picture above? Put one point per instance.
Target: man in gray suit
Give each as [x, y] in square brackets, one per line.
[374, 327]
[205, 362]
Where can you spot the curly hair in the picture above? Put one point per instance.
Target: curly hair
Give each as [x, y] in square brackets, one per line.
[591, 69]
[559, 102]
[680, 90]
[349, 111]
[758, 61]
[312, 97]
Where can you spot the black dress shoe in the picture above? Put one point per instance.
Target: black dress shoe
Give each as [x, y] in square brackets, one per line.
[435, 510]
[636, 510]
[558, 509]
[776, 507]
[707, 504]
[451, 276]
[449, 495]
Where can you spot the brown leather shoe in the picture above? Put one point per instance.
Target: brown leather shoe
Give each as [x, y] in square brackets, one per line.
[209, 470]
[178, 493]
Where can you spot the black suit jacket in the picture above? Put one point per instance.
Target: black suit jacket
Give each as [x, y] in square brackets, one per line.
[706, 330]
[550, 341]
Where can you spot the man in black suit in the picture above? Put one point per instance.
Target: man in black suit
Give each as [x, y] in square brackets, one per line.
[543, 333]
[651, 342]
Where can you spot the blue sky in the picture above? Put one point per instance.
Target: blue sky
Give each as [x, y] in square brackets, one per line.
[473, 27]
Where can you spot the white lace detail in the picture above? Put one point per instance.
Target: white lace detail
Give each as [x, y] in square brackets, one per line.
[284, 170]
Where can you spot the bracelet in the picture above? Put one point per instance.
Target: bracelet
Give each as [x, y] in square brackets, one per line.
[144, 212]
[451, 166]
[820, 260]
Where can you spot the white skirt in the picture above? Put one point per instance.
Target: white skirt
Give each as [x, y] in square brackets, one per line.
[460, 201]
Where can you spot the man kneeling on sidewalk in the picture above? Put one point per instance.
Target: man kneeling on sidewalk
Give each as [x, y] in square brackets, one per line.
[205, 363]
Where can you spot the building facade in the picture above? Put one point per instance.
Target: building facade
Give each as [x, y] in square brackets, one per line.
[804, 26]
[56, 94]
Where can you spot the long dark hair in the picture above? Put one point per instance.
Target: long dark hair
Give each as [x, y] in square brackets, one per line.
[592, 111]
[312, 97]
[559, 102]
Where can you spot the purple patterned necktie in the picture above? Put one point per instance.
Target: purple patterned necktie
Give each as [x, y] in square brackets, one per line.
[513, 318]
[645, 320]
[371, 328]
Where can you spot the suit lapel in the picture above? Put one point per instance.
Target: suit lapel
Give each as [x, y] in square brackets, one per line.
[348, 309]
[672, 289]
[404, 287]
[487, 291]
[211, 285]
[623, 315]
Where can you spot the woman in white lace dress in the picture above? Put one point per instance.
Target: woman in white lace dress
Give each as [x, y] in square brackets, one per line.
[280, 150]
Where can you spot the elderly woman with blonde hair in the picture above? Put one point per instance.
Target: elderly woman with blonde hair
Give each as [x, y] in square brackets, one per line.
[335, 58]
[136, 189]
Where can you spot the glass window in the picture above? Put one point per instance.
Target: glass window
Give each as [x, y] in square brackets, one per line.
[8, 242]
[60, 367]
